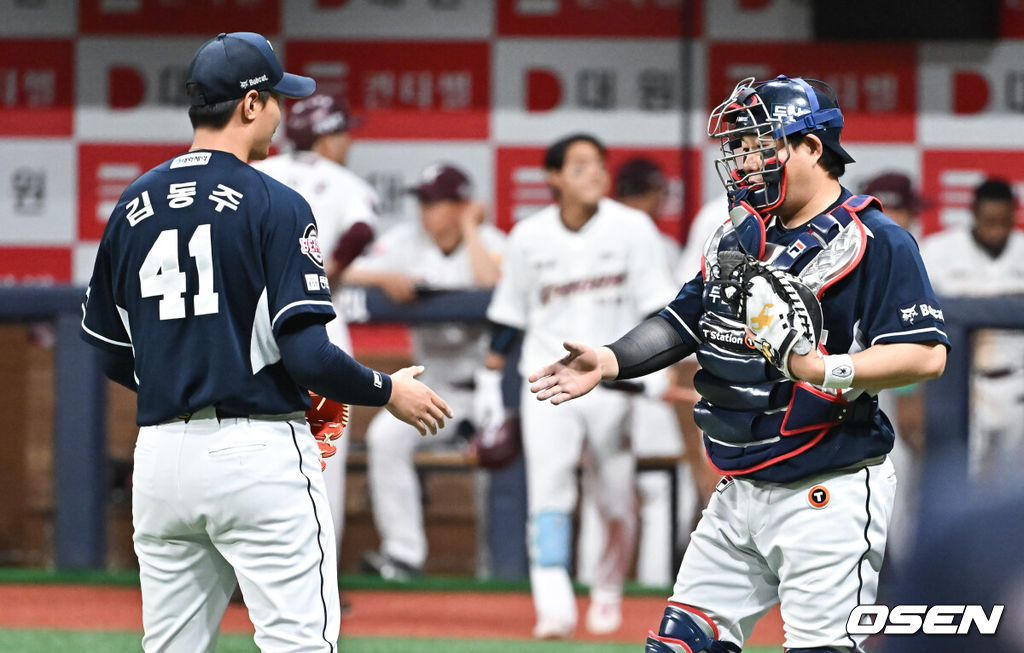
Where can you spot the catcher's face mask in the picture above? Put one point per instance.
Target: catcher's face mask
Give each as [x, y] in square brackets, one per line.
[751, 140]
[757, 120]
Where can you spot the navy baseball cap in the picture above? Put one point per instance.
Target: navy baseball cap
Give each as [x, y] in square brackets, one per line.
[230, 65]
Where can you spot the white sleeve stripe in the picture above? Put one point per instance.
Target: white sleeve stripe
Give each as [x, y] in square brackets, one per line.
[99, 337]
[302, 303]
[907, 333]
[685, 326]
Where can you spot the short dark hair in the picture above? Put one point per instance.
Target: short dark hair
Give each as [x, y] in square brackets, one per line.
[994, 189]
[218, 114]
[829, 160]
[554, 157]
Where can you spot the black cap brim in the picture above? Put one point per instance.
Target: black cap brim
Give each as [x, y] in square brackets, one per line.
[295, 86]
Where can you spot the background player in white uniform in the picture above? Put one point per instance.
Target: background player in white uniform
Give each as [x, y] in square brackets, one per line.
[655, 426]
[208, 298]
[345, 208]
[450, 247]
[986, 259]
[788, 412]
[585, 263]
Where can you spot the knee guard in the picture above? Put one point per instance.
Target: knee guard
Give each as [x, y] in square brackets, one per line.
[551, 539]
[818, 649]
[679, 632]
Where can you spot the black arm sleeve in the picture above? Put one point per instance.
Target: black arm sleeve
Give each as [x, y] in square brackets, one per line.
[316, 363]
[648, 347]
[504, 338]
[119, 368]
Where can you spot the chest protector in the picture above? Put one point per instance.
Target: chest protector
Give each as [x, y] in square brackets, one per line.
[751, 415]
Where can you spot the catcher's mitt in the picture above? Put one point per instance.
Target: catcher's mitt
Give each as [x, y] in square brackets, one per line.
[327, 419]
[782, 315]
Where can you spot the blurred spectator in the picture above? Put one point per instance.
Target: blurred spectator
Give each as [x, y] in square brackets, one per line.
[986, 259]
[655, 427]
[901, 202]
[345, 208]
[584, 267]
[640, 184]
[449, 247]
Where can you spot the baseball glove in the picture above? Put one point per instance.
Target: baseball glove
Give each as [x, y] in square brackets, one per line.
[327, 419]
[783, 316]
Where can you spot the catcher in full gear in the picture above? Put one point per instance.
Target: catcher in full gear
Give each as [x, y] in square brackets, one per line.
[808, 302]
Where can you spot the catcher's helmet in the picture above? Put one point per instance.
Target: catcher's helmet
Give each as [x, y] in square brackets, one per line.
[773, 111]
[317, 116]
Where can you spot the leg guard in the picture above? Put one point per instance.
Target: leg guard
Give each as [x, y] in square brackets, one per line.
[681, 633]
[550, 539]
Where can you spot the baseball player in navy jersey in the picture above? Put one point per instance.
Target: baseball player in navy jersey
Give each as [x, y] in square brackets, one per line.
[345, 208]
[585, 262]
[799, 316]
[208, 297]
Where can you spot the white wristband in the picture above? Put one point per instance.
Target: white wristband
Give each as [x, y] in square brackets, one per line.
[838, 372]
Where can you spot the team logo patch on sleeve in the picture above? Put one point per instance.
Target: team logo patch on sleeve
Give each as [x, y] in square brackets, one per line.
[309, 245]
[911, 314]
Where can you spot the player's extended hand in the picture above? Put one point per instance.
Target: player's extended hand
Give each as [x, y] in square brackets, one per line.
[573, 376]
[416, 404]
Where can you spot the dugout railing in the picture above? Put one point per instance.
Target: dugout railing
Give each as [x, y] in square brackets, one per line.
[79, 449]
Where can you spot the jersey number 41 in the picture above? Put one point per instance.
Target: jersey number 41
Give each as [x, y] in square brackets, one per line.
[160, 276]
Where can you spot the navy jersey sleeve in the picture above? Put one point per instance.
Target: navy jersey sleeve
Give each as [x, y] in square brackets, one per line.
[684, 312]
[292, 260]
[104, 318]
[898, 304]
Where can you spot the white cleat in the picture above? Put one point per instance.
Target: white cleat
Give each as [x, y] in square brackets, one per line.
[547, 628]
[604, 618]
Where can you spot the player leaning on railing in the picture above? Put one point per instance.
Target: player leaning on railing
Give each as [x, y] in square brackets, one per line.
[799, 316]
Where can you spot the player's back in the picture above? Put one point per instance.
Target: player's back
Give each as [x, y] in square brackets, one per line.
[198, 288]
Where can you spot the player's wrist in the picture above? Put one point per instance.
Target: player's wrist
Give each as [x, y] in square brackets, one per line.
[607, 363]
[808, 367]
[838, 372]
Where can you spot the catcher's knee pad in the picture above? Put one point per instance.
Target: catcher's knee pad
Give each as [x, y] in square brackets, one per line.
[683, 632]
[551, 539]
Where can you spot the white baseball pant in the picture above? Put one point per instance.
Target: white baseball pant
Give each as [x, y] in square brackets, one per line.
[761, 543]
[213, 500]
[553, 438]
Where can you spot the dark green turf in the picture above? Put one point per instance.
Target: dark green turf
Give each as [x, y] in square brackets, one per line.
[49, 641]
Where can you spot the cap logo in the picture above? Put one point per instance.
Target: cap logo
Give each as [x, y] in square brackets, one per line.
[253, 81]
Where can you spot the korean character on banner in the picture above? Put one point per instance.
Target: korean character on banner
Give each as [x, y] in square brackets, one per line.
[225, 196]
[656, 87]
[416, 88]
[380, 90]
[181, 195]
[595, 88]
[881, 92]
[40, 87]
[29, 186]
[456, 89]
